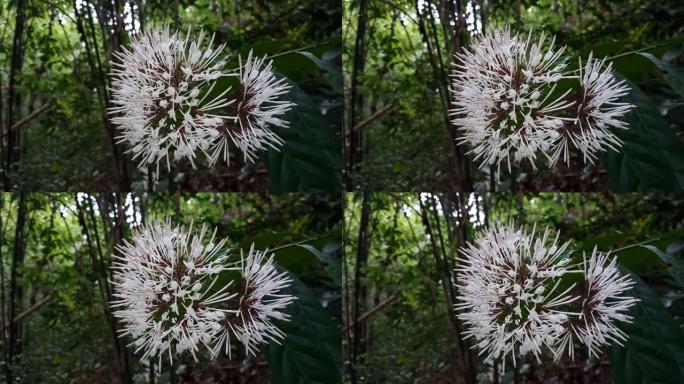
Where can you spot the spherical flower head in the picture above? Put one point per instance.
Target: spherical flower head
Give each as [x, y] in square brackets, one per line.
[260, 301]
[502, 97]
[598, 111]
[603, 303]
[508, 290]
[161, 90]
[165, 290]
[258, 108]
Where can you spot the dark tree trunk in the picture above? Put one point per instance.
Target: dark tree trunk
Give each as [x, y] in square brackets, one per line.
[3, 226]
[439, 260]
[483, 16]
[459, 201]
[433, 228]
[141, 14]
[119, 171]
[101, 272]
[437, 70]
[353, 138]
[116, 202]
[16, 292]
[13, 98]
[452, 27]
[360, 289]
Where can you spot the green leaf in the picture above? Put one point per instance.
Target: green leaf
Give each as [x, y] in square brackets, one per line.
[651, 158]
[673, 263]
[671, 73]
[311, 158]
[327, 256]
[285, 250]
[675, 247]
[673, 53]
[654, 350]
[311, 352]
[331, 70]
[624, 245]
[631, 64]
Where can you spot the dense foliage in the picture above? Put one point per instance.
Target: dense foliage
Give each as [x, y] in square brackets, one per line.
[55, 278]
[397, 60]
[402, 250]
[55, 89]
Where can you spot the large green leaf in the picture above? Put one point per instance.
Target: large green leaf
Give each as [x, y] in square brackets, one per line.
[652, 158]
[311, 158]
[625, 245]
[674, 264]
[328, 256]
[285, 54]
[331, 70]
[284, 246]
[671, 73]
[627, 61]
[311, 352]
[654, 350]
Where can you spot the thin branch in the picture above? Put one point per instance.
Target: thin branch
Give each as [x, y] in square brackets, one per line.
[394, 297]
[297, 50]
[639, 50]
[635, 245]
[43, 108]
[373, 117]
[27, 312]
[297, 243]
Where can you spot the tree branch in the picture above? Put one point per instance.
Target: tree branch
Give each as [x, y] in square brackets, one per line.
[43, 108]
[373, 117]
[394, 297]
[27, 312]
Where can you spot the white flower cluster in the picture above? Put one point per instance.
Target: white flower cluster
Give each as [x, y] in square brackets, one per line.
[257, 108]
[508, 107]
[171, 295]
[170, 102]
[598, 109]
[259, 303]
[514, 300]
[603, 303]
